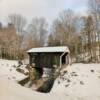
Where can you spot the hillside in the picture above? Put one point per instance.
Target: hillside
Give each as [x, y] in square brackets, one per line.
[77, 82]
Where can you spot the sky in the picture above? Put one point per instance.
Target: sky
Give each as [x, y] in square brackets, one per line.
[39, 8]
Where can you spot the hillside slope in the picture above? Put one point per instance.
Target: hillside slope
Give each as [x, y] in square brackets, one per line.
[77, 82]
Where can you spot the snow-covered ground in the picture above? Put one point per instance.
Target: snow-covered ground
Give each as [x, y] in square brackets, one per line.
[80, 81]
[77, 82]
[8, 70]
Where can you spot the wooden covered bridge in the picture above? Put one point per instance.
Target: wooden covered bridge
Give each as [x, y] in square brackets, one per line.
[48, 57]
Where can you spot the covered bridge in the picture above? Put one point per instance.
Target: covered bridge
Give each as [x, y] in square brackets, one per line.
[47, 57]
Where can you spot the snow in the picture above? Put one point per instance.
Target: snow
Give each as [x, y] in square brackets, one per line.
[12, 91]
[76, 82]
[7, 69]
[49, 49]
[84, 81]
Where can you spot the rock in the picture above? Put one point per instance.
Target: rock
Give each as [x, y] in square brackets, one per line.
[58, 82]
[81, 82]
[74, 74]
[92, 71]
[67, 85]
[68, 80]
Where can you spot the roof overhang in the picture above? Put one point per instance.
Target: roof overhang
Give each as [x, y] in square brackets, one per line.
[49, 49]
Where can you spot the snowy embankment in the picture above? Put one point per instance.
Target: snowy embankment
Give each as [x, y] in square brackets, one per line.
[8, 70]
[80, 81]
[12, 91]
[77, 82]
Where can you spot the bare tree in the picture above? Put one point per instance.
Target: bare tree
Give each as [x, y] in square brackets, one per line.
[88, 38]
[8, 42]
[18, 21]
[38, 30]
[64, 30]
[94, 9]
[50, 40]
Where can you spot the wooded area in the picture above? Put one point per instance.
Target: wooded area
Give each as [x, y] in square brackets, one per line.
[81, 33]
